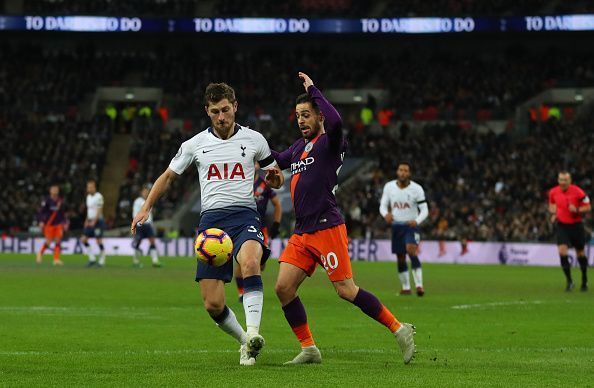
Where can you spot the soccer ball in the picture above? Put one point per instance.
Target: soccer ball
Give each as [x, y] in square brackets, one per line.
[213, 247]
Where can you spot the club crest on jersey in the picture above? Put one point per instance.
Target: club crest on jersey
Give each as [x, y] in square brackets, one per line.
[243, 150]
[308, 147]
[300, 166]
[223, 171]
[401, 205]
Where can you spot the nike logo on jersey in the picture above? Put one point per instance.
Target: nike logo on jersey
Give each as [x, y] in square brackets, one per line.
[205, 152]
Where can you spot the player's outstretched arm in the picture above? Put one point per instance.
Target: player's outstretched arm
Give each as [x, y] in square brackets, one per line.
[160, 187]
[332, 119]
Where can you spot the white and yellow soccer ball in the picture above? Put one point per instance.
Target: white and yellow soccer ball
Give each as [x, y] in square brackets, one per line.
[213, 247]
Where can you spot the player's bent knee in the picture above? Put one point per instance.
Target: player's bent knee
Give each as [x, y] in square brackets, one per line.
[347, 290]
[214, 307]
[285, 292]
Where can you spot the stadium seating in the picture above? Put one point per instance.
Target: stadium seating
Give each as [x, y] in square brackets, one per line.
[303, 8]
[423, 87]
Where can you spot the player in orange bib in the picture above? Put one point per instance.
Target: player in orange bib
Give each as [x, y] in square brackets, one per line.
[51, 222]
[320, 235]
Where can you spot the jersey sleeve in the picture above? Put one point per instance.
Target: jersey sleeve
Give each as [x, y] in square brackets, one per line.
[584, 199]
[264, 156]
[552, 197]
[332, 119]
[100, 200]
[283, 158]
[43, 211]
[421, 195]
[384, 208]
[182, 159]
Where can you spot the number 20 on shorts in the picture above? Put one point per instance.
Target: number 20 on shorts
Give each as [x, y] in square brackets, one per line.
[330, 261]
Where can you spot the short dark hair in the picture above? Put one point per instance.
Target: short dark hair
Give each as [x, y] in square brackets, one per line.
[403, 163]
[304, 99]
[216, 92]
[92, 181]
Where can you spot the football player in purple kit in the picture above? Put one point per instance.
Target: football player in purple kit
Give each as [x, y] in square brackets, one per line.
[51, 221]
[262, 194]
[320, 235]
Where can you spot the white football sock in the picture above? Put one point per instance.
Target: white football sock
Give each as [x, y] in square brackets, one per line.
[418, 276]
[232, 327]
[252, 304]
[137, 253]
[154, 255]
[90, 254]
[404, 280]
[102, 258]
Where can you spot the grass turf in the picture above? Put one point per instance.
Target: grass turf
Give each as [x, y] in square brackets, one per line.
[477, 326]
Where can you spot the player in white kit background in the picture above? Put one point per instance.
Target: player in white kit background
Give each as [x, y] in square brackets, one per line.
[225, 155]
[94, 224]
[404, 207]
[143, 231]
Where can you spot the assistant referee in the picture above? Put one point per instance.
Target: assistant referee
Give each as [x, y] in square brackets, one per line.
[567, 205]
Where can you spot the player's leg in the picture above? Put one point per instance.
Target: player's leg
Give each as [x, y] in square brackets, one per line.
[238, 282]
[399, 249]
[583, 262]
[213, 295]
[57, 245]
[101, 261]
[249, 258]
[153, 251]
[46, 244]
[289, 279]
[579, 245]
[332, 244]
[372, 307]
[412, 251]
[566, 265]
[136, 241]
[84, 240]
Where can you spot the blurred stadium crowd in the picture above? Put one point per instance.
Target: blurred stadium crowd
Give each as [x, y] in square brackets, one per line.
[482, 186]
[304, 8]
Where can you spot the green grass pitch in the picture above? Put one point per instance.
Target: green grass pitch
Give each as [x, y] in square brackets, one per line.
[477, 326]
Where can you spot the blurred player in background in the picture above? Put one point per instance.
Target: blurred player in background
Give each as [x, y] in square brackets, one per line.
[567, 204]
[404, 207]
[320, 235]
[51, 221]
[225, 155]
[144, 231]
[263, 194]
[94, 225]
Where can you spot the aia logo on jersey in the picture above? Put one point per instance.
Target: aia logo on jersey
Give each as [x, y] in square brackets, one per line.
[224, 171]
[401, 205]
[301, 165]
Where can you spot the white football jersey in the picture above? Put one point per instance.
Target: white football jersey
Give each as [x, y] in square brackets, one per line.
[226, 168]
[138, 202]
[94, 202]
[404, 203]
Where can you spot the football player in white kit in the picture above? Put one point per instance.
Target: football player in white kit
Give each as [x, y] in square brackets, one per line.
[225, 155]
[94, 224]
[144, 231]
[404, 207]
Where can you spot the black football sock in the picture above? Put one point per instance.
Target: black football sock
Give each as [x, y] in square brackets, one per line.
[584, 267]
[566, 267]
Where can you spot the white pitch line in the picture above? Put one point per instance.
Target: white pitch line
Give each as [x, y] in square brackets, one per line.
[495, 304]
[177, 351]
[129, 312]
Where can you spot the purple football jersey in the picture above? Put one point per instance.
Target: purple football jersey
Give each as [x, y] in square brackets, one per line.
[314, 168]
[263, 194]
[52, 211]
